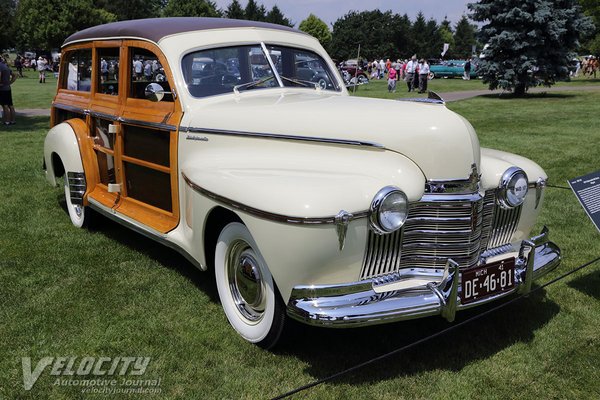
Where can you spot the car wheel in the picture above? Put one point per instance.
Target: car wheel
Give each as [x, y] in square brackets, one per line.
[79, 214]
[363, 79]
[246, 288]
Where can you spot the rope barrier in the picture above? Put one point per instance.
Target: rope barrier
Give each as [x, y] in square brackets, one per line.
[437, 334]
[559, 187]
[430, 337]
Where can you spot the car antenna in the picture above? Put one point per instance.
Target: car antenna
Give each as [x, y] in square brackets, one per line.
[356, 69]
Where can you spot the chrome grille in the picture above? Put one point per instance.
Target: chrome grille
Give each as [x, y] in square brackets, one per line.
[503, 226]
[383, 254]
[437, 230]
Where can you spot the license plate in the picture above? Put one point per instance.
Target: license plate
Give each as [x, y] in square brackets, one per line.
[483, 282]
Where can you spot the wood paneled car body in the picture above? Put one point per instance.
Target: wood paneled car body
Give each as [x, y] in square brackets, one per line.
[203, 135]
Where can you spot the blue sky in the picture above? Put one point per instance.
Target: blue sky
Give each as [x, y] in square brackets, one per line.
[331, 10]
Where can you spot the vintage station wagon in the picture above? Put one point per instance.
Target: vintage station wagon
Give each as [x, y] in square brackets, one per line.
[233, 142]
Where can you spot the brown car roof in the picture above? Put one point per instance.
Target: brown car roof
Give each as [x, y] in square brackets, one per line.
[154, 29]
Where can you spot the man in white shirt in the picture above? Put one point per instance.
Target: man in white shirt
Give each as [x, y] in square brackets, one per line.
[137, 69]
[411, 69]
[423, 76]
[42, 64]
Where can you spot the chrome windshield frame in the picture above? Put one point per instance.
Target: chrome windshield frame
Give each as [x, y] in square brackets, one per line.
[271, 63]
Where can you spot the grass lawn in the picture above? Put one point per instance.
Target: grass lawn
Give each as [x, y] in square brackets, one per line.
[110, 292]
[29, 93]
[378, 88]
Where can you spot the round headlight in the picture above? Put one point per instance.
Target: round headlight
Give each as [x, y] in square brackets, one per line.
[513, 188]
[389, 210]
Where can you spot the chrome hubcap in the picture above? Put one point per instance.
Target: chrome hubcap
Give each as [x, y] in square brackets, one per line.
[245, 281]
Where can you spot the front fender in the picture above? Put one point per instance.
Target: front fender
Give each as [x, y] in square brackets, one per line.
[303, 180]
[495, 162]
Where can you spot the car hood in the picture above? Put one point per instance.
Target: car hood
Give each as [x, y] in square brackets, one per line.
[439, 141]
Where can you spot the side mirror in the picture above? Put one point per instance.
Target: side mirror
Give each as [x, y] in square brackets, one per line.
[154, 92]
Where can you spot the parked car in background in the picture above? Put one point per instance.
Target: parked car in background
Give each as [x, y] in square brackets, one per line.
[356, 72]
[451, 69]
[302, 208]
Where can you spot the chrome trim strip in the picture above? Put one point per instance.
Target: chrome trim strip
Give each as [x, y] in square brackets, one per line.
[109, 117]
[161, 239]
[455, 186]
[360, 304]
[283, 137]
[70, 108]
[154, 125]
[266, 214]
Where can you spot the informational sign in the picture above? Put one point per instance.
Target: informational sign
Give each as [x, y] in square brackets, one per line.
[587, 190]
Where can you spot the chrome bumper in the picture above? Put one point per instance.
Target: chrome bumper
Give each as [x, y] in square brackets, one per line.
[364, 303]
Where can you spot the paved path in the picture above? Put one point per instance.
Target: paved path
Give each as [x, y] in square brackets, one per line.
[449, 96]
[455, 96]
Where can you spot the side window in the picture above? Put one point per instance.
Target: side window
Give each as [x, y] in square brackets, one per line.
[145, 69]
[108, 65]
[77, 73]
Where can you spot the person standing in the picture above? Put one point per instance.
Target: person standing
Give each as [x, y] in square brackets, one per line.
[392, 80]
[423, 76]
[7, 78]
[467, 70]
[411, 69]
[42, 65]
[415, 84]
[381, 69]
[138, 67]
[19, 66]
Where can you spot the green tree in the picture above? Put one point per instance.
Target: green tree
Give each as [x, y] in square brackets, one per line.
[191, 8]
[402, 38]
[44, 24]
[447, 37]
[8, 10]
[592, 9]
[433, 40]
[316, 27]
[529, 41]
[419, 33]
[235, 11]
[465, 36]
[253, 12]
[373, 30]
[275, 16]
[130, 9]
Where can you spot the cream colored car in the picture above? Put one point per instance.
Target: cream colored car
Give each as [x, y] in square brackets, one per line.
[207, 136]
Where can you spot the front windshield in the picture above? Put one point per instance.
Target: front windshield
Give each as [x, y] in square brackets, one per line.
[229, 69]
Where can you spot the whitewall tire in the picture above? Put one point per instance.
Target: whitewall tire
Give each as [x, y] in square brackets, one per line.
[246, 288]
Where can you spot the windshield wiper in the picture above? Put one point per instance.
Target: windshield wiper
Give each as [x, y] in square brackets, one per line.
[300, 82]
[248, 85]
